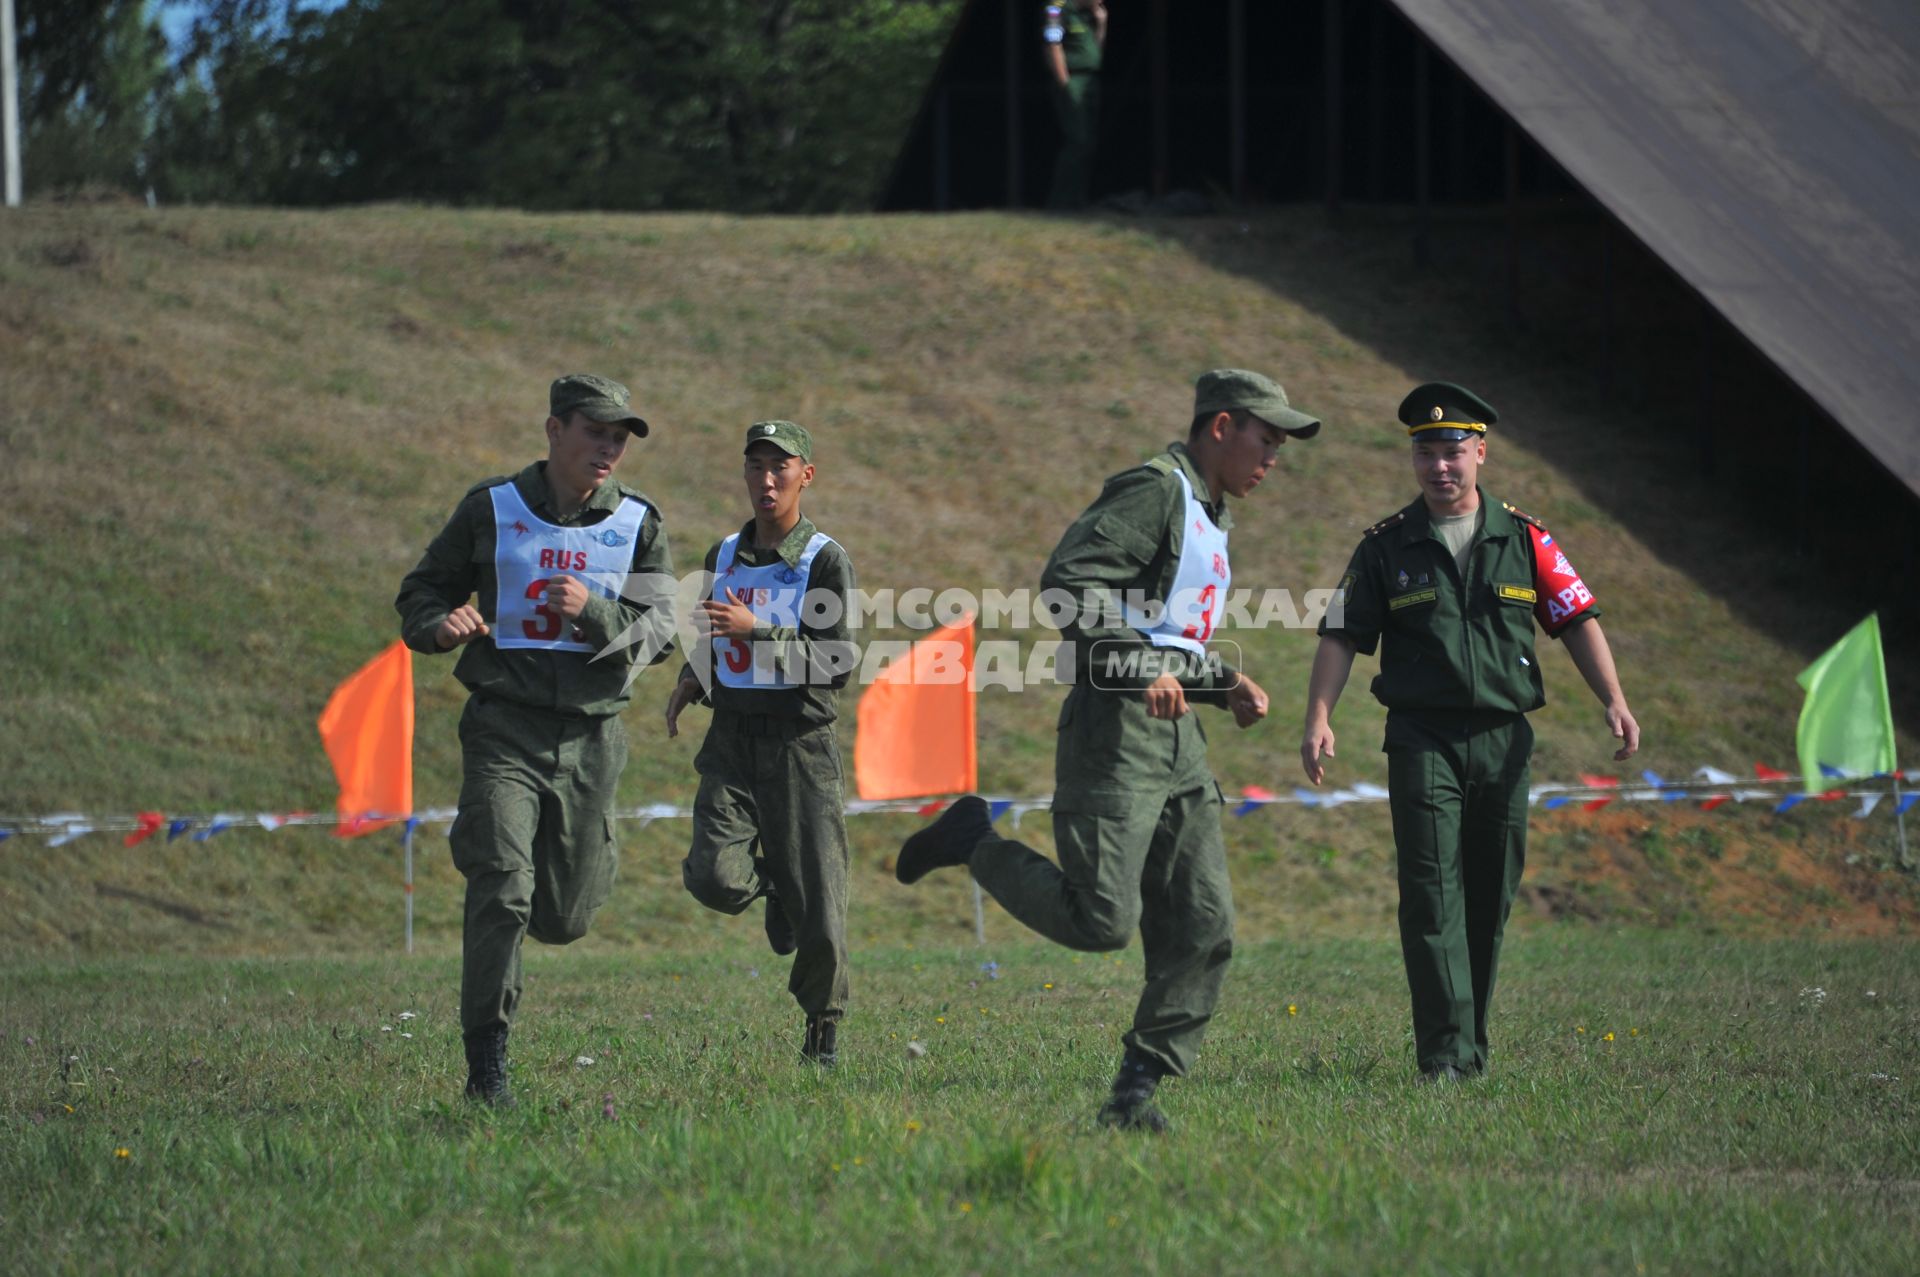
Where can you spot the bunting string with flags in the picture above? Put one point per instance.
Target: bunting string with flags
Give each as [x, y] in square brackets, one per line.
[1708, 788]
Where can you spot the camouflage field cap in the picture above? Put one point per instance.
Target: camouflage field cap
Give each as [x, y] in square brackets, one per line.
[601, 398]
[787, 436]
[1228, 389]
[1443, 412]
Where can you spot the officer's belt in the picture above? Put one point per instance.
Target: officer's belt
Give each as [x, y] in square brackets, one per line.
[1456, 720]
[778, 726]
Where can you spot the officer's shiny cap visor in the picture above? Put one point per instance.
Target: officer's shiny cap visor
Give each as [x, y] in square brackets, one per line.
[1447, 431]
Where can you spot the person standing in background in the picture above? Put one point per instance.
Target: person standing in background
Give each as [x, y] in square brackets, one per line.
[1075, 32]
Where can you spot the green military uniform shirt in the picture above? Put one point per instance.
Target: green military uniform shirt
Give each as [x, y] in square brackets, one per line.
[1130, 539]
[459, 565]
[1452, 643]
[1458, 674]
[1076, 38]
[820, 659]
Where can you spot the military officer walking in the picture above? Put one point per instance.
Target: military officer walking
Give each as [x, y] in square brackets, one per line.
[1136, 811]
[1450, 589]
[528, 576]
[769, 819]
[1074, 34]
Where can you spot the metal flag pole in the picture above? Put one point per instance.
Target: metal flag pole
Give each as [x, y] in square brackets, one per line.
[406, 843]
[1900, 821]
[10, 102]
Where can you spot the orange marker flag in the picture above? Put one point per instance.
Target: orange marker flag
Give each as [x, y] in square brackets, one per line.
[367, 728]
[915, 727]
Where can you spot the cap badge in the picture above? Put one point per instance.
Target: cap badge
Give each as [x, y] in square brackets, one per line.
[1438, 414]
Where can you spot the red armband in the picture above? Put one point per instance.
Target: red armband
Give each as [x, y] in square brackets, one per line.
[1561, 595]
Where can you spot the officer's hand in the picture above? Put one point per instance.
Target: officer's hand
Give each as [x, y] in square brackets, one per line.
[732, 619]
[567, 595]
[685, 692]
[1620, 723]
[1247, 701]
[1314, 746]
[463, 625]
[1165, 698]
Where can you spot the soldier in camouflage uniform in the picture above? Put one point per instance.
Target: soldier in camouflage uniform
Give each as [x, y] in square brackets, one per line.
[527, 577]
[1450, 589]
[1136, 811]
[769, 819]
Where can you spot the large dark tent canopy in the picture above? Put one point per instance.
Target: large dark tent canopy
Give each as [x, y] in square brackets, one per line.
[1767, 151]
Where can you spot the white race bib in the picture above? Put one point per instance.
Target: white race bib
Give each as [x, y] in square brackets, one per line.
[528, 552]
[773, 593]
[1200, 583]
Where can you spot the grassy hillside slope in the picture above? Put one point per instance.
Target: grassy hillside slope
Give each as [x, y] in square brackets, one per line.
[229, 433]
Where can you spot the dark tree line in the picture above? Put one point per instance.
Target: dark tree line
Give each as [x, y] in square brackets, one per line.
[749, 105]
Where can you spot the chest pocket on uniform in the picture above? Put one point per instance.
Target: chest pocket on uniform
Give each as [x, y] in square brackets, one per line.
[1518, 595]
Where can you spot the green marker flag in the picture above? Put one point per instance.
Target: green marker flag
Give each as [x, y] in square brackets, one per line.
[1846, 726]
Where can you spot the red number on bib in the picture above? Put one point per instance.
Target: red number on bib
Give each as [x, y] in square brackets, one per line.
[738, 656]
[1204, 630]
[549, 627]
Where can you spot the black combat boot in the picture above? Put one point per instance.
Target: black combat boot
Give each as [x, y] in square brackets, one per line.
[1130, 1106]
[949, 840]
[1442, 1074]
[487, 1068]
[820, 1046]
[779, 927]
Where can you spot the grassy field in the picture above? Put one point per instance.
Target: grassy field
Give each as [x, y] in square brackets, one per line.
[1660, 1103]
[230, 432]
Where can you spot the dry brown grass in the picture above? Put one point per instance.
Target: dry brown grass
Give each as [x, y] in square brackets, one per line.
[229, 432]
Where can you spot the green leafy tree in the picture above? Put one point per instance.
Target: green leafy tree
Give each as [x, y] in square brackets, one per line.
[740, 104]
[91, 72]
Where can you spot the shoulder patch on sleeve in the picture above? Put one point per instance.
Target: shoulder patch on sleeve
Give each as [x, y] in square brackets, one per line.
[1392, 520]
[494, 482]
[1522, 515]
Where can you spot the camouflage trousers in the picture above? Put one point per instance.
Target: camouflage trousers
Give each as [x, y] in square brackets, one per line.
[534, 839]
[770, 820]
[1136, 827]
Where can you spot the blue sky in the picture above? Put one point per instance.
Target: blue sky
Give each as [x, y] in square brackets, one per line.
[176, 16]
